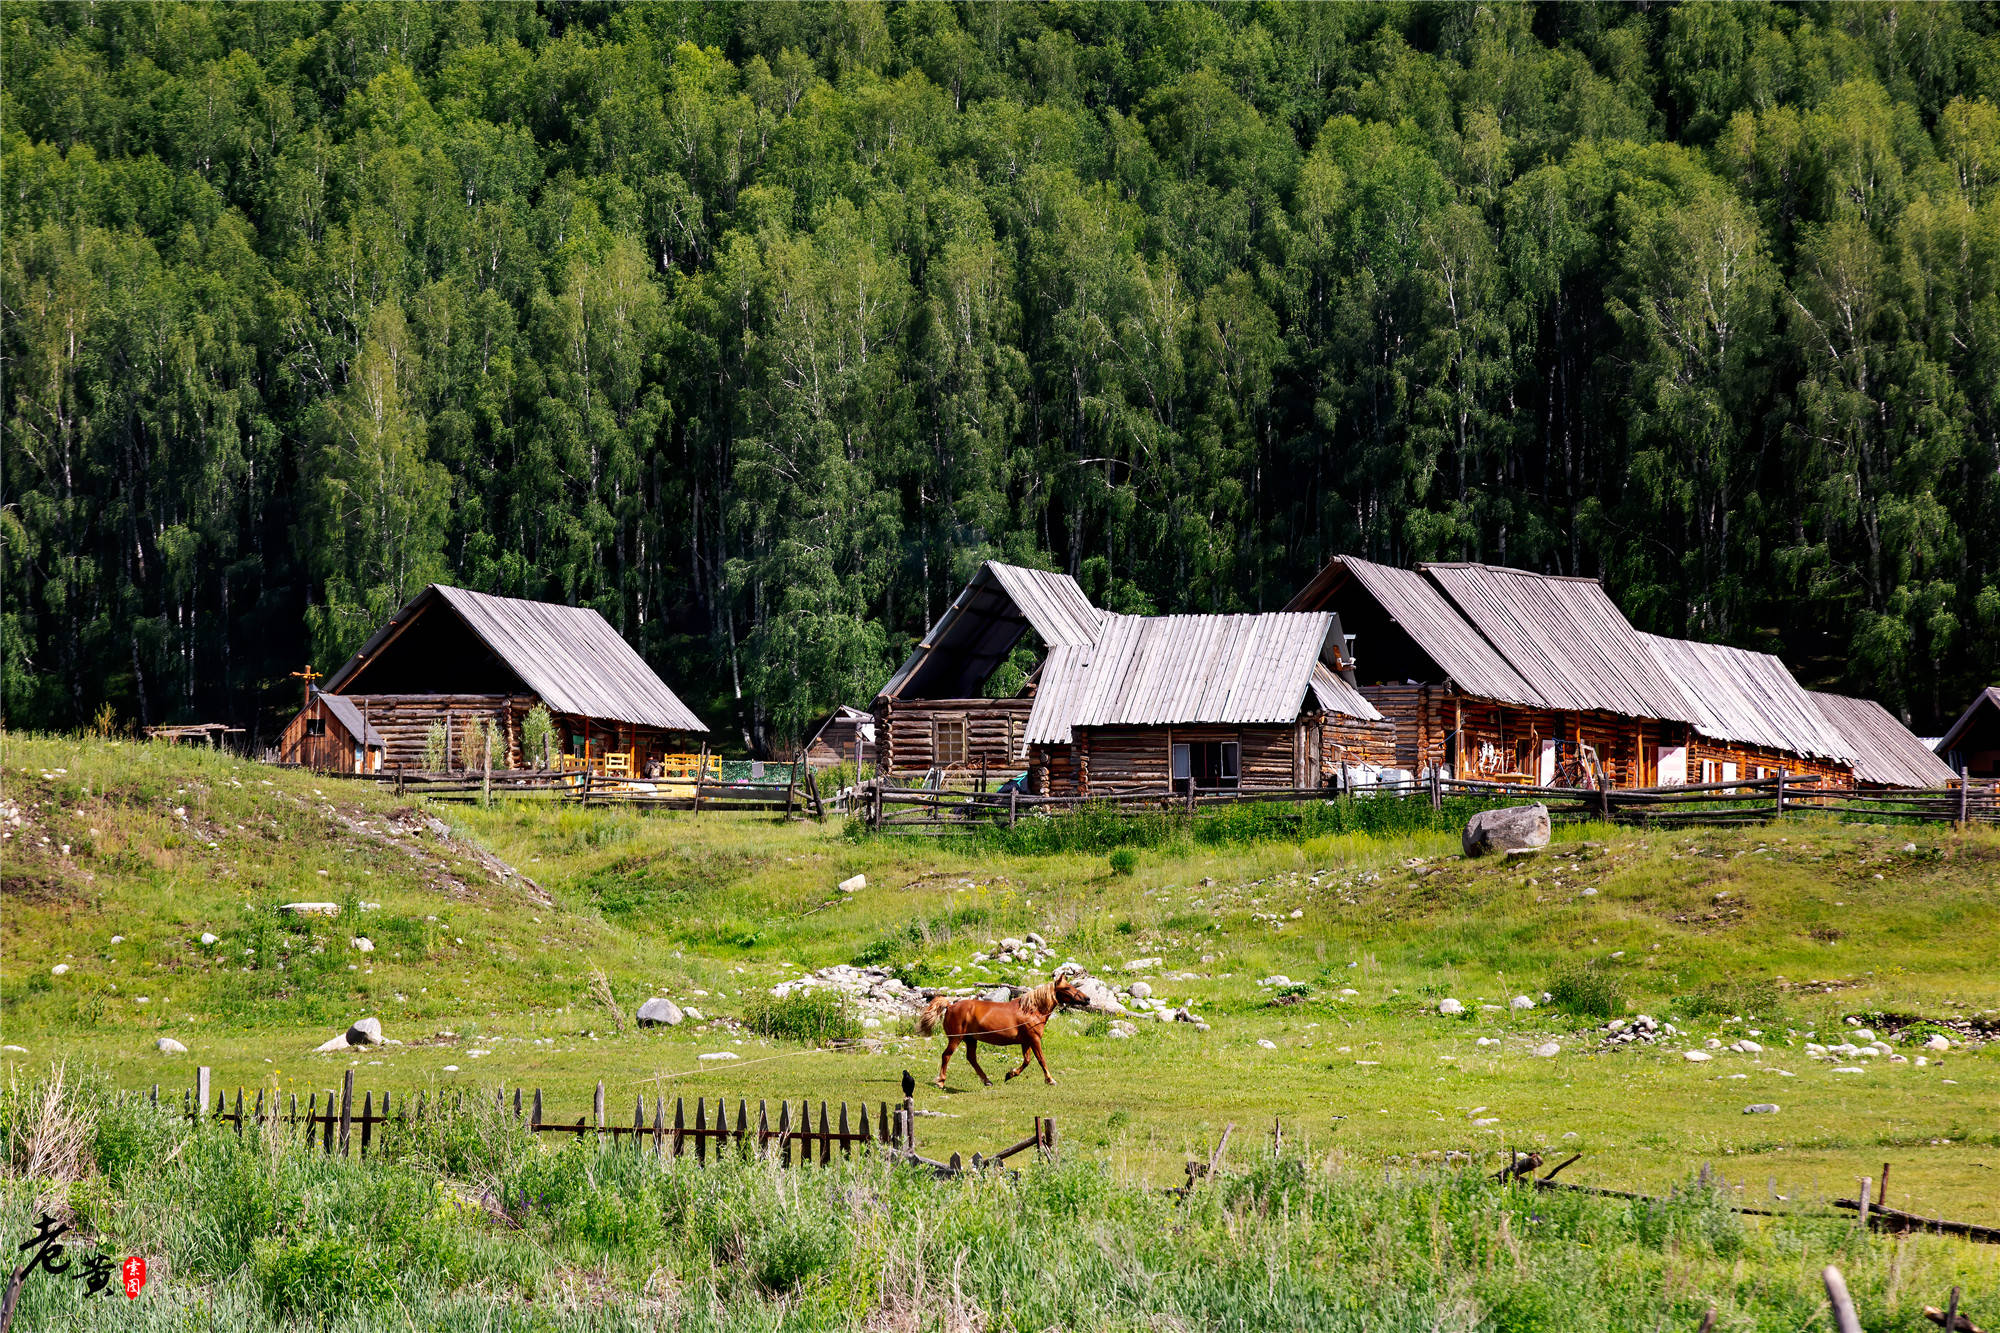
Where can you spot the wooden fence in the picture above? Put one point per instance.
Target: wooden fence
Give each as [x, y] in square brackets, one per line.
[337, 1125]
[799, 795]
[930, 812]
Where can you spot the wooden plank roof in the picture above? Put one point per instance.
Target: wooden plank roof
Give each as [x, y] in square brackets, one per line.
[1885, 751]
[984, 622]
[1566, 638]
[1468, 659]
[570, 656]
[350, 718]
[1172, 670]
[1748, 698]
[1985, 699]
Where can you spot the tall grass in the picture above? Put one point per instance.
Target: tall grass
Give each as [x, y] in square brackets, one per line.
[468, 1223]
[1095, 828]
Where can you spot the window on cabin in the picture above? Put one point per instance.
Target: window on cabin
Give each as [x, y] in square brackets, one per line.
[948, 742]
[1207, 765]
[315, 726]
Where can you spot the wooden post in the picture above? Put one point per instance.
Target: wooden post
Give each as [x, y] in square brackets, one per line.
[793, 785]
[201, 1091]
[1012, 798]
[597, 1106]
[1964, 800]
[486, 774]
[346, 1110]
[1844, 1318]
[1779, 790]
[367, 1121]
[700, 772]
[1437, 789]
[535, 1116]
[1861, 1219]
[450, 753]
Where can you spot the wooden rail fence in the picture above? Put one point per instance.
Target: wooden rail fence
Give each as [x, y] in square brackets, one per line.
[928, 812]
[337, 1125]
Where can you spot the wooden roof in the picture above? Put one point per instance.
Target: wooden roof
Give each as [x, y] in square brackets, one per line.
[568, 655]
[1748, 698]
[350, 718]
[1566, 638]
[1171, 670]
[1885, 751]
[1988, 698]
[1416, 604]
[984, 622]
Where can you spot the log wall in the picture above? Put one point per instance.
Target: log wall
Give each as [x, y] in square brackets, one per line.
[1757, 762]
[332, 751]
[404, 721]
[994, 729]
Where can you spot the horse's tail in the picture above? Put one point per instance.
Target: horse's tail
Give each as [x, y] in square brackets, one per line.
[933, 1014]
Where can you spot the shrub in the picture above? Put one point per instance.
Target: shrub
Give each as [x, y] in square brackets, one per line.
[805, 1015]
[538, 733]
[437, 744]
[1586, 992]
[1724, 998]
[1124, 861]
[322, 1275]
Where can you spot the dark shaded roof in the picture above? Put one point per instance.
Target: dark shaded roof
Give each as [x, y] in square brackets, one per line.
[350, 718]
[984, 622]
[1416, 605]
[1170, 670]
[1885, 751]
[1566, 638]
[569, 656]
[1748, 698]
[1985, 699]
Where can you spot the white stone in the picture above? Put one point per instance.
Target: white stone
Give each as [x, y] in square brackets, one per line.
[168, 1046]
[1548, 1049]
[693, 1015]
[1488, 1041]
[1761, 1108]
[1714, 1043]
[1276, 979]
[659, 1012]
[17, 1050]
[1864, 1035]
[1587, 893]
[365, 1032]
[1139, 990]
[1850, 1069]
[59, 969]
[1520, 1002]
[1937, 1041]
[1267, 1043]
[718, 1055]
[855, 884]
[117, 939]
[1749, 1047]
[311, 909]
[1697, 1056]
[1450, 1007]
[1513, 828]
[871, 1023]
[1487, 1120]
[207, 938]
[1142, 964]
[362, 944]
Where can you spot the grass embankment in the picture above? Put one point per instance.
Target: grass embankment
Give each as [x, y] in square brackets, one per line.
[467, 1225]
[1788, 931]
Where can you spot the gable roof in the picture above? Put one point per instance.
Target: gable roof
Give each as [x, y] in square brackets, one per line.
[350, 717]
[1885, 751]
[1170, 670]
[568, 655]
[1748, 697]
[1986, 698]
[1417, 605]
[1566, 638]
[984, 622]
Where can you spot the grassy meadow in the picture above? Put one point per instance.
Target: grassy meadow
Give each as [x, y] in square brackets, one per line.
[512, 945]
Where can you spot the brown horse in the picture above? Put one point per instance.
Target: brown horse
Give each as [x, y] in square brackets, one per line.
[1000, 1023]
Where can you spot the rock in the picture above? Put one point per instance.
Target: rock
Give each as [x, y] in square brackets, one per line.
[1488, 1041]
[1850, 1069]
[311, 909]
[1349, 990]
[1121, 1029]
[1450, 1007]
[1548, 1050]
[719, 1055]
[117, 939]
[1267, 1043]
[361, 944]
[998, 995]
[854, 885]
[59, 969]
[365, 1032]
[693, 1015]
[1696, 1056]
[1937, 1041]
[332, 1044]
[1512, 828]
[1587, 893]
[1143, 965]
[1864, 1036]
[1761, 1108]
[1520, 1002]
[168, 1046]
[1714, 1043]
[1139, 990]
[1276, 979]
[658, 1013]
[13, 1049]
[207, 938]
[1749, 1047]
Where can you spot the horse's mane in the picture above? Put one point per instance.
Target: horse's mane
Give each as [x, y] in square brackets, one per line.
[1041, 1000]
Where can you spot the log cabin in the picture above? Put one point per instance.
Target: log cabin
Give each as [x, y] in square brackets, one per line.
[1208, 703]
[459, 659]
[1886, 754]
[1971, 745]
[934, 715]
[846, 736]
[331, 735]
[1514, 676]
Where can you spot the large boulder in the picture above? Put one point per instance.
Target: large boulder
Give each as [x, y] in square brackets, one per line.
[660, 1013]
[1514, 828]
[1103, 1000]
